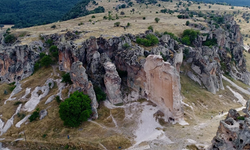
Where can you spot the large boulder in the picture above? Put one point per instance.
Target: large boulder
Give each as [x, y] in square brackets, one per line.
[163, 87]
[112, 83]
[80, 82]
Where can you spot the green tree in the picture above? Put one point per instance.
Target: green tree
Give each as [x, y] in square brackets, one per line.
[46, 61]
[199, 7]
[157, 20]
[187, 23]
[75, 109]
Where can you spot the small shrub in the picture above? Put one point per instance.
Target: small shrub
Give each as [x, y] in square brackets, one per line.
[58, 100]
[93, 16]
[17, 103]
[241, 118]
[66, 78]
[105, 17]
[164, 57]
[128, 24]
[49, 42]
[36, 66]
[53, 26]
[125, 46]
[44, 135]
[11, 88]
[116, 24]
[151, 28]
[41, 55]
[157, 20]
[54, 51]
[34, 115]
[187, 23]
[21, 115]
[100, 95]
[144, 18]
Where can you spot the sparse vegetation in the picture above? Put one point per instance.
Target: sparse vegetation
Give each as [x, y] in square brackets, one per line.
[75, 109]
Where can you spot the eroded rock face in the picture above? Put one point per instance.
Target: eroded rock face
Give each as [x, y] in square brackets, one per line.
[233, 132]
[17, 63]
[206, 67]
[112, 83]
[80, 80]
[163, 86]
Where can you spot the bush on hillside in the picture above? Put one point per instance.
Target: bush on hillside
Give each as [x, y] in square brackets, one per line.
[100, 95]
[189, 35]
[34, 115]
[75, 109]
[46, 61]
[150, 40]
[66, 78]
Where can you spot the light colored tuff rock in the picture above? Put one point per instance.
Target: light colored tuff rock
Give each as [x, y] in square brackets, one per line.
[112, 83]
[163, 87]
[43, 113]
[193, 77]
[233, 132]
[80, 82]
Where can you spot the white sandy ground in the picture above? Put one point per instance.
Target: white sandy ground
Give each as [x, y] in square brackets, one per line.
[18, 125]
[27, 91]
[17, 89]
[9, 123]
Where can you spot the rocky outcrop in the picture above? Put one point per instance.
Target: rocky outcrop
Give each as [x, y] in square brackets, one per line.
[112, 83]
[80, 82]
[17, 63]
[205, 65]
[163, 86]
[233, 132]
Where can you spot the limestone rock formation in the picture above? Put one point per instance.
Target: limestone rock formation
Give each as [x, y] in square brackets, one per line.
[80, 80]
[233, 132]
[112, 83]
[163, 86]
[17, 63]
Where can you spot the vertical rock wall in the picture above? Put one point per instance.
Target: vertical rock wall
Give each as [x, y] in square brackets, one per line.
[163, 86]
